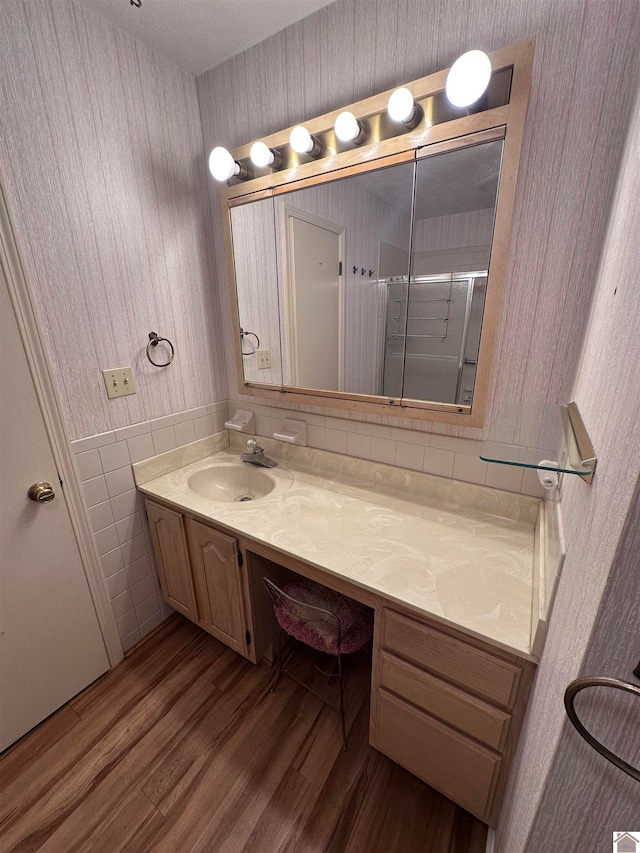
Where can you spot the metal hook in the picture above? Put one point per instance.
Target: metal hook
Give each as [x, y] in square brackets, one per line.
[136, 3]
[355, 270]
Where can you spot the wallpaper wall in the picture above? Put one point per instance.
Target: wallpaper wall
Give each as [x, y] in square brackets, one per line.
[355, 48]
[595, 625]
[101, 154]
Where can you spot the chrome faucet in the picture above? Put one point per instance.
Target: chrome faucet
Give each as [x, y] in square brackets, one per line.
[255, 455]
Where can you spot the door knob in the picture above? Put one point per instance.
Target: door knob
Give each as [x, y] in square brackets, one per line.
[41, 492]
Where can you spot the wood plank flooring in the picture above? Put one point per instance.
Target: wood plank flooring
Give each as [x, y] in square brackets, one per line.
[182, 748]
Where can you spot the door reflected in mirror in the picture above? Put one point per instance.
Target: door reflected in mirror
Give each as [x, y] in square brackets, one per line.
[373, 284]
[329, 238]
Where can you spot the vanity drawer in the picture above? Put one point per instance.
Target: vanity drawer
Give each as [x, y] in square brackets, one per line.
[458, 767]
[471, 715]
[442, 654]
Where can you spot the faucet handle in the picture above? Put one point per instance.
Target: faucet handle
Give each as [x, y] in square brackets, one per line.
[253, 446]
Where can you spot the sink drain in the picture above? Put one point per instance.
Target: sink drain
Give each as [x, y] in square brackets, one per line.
[244, 498]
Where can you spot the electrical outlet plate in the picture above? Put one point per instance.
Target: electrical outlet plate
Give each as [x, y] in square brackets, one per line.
[119, 382]
[264, 359]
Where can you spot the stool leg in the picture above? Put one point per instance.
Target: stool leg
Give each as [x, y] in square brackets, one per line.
[278, 675]
[344, 727]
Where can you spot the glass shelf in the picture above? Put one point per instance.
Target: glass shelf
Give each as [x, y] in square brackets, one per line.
[531, 434]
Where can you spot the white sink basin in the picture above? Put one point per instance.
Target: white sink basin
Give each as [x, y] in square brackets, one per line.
[231, 481]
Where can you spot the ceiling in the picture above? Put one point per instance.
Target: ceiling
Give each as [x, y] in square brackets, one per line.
[198, 34]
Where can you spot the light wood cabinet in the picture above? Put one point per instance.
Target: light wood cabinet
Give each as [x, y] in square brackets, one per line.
[456, 659]
[456, 765]
[218, 583]
[201, 575]
[447, 708]
[170, 547]
[486, 723]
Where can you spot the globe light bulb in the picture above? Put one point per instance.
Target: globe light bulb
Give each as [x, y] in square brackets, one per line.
[468, 78]
[261, 155]
[301, 140]
[348, 128]
[401, 106]
[222, 165]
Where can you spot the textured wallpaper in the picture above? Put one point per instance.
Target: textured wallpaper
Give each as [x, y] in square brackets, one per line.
[101, 154]
[595, 625]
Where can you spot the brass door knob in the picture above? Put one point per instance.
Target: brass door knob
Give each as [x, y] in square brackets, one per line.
[41, 492]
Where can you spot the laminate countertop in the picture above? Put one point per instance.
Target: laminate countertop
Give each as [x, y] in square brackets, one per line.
[468, 556]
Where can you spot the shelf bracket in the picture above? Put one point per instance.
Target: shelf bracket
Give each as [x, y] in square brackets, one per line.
[583, 446]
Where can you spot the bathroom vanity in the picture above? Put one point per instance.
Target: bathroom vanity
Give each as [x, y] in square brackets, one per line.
[451, 570]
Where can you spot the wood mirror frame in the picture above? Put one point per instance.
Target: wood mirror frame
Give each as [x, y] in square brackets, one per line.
[502, 122]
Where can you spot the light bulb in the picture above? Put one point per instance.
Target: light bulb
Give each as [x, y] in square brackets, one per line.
[222, 165]
[401, 106]
[348, 128]
[261, 155]
[468, 78]
[301, 140]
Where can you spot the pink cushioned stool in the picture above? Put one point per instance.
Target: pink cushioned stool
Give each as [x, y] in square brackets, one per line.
[323, 619]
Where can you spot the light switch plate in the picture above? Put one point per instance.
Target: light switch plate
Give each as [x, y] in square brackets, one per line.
[119, 382]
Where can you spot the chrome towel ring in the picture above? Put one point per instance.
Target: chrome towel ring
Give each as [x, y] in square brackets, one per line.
[569, 695]
[154, 340]
[244, 334]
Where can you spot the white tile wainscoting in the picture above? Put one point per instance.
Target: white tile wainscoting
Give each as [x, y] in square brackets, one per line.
[116, 510]
[433, 453]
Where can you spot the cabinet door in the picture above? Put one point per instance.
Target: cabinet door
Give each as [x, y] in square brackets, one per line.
[170, 548]
[218, 582]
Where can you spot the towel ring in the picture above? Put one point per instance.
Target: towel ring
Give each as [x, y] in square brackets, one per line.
[570, 694]
[154, 340]
[244, 335]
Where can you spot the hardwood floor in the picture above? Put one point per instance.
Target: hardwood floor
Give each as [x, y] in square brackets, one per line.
[182, 748]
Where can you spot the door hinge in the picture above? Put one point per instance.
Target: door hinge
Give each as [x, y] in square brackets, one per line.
[248, 638]
[240, 559]
[339, 267]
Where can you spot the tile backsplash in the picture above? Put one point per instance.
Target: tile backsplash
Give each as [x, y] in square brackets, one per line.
[116, 510]
[432, 453]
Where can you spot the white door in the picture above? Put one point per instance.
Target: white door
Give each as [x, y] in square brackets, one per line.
[51, 646]
[316, 303]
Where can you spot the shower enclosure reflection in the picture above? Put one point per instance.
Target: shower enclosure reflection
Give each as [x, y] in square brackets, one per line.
[440, 323]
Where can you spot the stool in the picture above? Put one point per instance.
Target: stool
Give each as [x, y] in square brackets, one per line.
[323, 619]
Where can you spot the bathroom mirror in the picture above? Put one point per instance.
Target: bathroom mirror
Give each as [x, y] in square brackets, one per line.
[372, 278]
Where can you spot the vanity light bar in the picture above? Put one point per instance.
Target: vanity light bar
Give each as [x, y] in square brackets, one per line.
[350, 129]
[466, 83]
[403, 108]
[468, 78]
[302, 142]
[223, 167]
[262, 156]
